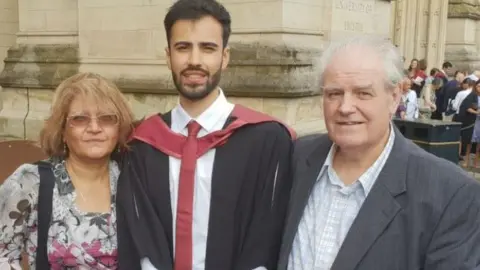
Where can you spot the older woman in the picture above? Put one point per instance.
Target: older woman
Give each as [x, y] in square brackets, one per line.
[90, 122]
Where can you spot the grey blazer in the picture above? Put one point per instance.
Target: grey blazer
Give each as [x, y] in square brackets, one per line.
[422, 213]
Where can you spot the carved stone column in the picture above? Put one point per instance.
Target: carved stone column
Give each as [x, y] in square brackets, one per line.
[419, 29]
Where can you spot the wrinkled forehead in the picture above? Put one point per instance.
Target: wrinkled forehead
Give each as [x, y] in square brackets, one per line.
[354, 65]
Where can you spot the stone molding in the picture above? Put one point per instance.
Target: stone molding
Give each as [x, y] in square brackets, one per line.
[39, 66]
[255, 70]
[467, 9]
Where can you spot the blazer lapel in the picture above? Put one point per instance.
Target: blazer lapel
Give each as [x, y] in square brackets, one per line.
[305, 178]
[379, 208]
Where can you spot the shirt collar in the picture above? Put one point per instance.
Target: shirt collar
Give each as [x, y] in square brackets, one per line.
[207, 119]
[366, 182]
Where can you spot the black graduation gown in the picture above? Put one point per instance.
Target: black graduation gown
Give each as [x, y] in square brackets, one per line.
[249, 199]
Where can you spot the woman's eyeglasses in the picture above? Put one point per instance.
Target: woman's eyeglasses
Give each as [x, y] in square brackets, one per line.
[82, 121]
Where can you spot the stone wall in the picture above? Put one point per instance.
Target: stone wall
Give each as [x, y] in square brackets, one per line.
[8, 26]
[8, 29]
[274, 46]
[463, 34]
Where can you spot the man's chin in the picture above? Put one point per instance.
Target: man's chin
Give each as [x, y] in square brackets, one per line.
[194, 93]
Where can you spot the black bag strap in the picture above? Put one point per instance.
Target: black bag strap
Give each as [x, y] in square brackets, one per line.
[45, 198]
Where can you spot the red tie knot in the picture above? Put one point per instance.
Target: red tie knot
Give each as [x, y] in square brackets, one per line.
[193, 128]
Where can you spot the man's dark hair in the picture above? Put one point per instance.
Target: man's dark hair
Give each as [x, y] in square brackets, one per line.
[195, 10]
[433, 71]
[447, 65]
[422, 64]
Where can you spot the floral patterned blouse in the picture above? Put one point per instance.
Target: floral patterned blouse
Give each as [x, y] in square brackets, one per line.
[76, 239]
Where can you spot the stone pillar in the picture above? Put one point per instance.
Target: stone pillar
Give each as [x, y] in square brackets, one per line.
[463, 36]
[45, 53]
[8, 26]
[274, 45]
[420, 30]
[8, 29]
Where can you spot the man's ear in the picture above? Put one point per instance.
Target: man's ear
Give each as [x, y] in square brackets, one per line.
[225, 57]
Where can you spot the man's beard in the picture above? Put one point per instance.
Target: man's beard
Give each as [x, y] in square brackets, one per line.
[194, 95]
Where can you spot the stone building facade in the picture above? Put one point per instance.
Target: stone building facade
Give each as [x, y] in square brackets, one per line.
[274, 48]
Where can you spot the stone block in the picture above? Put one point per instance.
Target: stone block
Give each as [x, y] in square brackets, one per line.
[39, 101]
[255, 15]
[353, 17]
[144, 105]
[309, 20]
[468, 9]
[6, 41]
[8, 15]
[255, 70]
[62, 20]
[9, 4]
[121, 18]
[8, 28]
[48, 5]
[135, 44]
[41, 66]
[32, 20]
[13, 112]
[117, 3]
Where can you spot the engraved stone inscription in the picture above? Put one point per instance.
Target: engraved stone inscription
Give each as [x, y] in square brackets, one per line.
[354, 6]
[353, 26]
[353, 17]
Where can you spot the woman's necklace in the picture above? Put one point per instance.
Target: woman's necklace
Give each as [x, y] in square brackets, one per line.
[71, 172]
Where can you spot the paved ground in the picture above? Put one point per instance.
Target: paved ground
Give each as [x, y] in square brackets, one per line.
[14, 153]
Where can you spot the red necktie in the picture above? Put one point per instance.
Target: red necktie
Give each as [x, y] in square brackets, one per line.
[155, 132]
[183, 235]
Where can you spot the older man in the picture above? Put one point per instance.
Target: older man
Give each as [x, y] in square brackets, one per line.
[365, 197]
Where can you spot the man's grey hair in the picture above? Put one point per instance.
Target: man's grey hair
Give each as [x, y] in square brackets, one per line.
[390, 55]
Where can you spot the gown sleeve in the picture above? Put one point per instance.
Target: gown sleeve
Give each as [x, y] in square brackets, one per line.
[264, 233]
[128, 257]
[18, 200]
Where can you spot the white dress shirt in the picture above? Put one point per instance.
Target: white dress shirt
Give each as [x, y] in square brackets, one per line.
[212, 119]
[331, 209]
[459, 98]
[411, 105]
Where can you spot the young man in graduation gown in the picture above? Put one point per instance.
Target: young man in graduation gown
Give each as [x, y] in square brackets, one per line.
[206, 185]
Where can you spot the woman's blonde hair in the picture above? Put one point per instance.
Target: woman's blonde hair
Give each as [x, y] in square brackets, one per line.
[86, 85]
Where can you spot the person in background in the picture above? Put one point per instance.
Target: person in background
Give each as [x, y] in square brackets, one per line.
[409, 98]
[468, 114]
[89, 124]
[419, 79]
[400, 113]
[450, 91]
[412, 68]
[461, 95]
[432, 74]
[427, 98]
[446, 69]
[364, 196]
